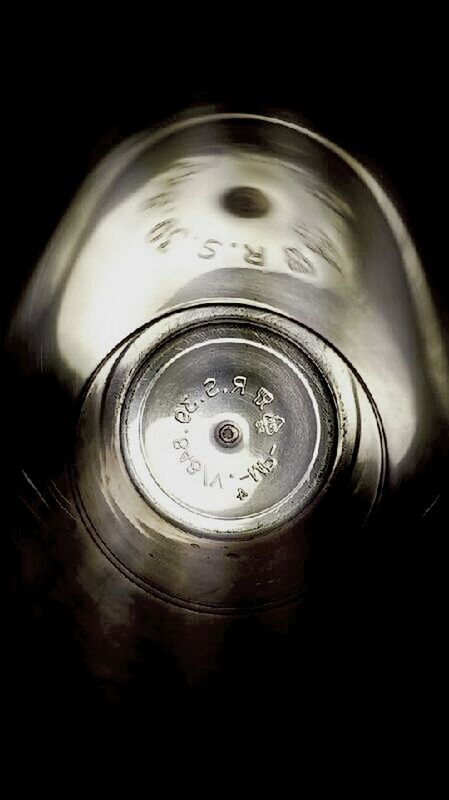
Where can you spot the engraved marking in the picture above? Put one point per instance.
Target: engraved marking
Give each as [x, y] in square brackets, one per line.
[158, 200]
[202, 399]
[231, 475]
[269, 424]
[159, 230]
[297, 262]
[211, 391]
[178, 444]
[261, 468]
[273, 450]
[217, 478]
[194, 465]
[241, 494]
[263, 397]
[319, 243]
[182, 416]
[165, 231]
[256, 470]
[190, 407]
[209, 251]
[239, 383]
[243, 477]
[253, 256]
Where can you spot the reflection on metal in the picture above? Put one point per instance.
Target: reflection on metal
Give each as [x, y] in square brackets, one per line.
[232, 347]
[151, 477]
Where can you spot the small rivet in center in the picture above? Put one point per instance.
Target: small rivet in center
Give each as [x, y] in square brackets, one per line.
[228, 434]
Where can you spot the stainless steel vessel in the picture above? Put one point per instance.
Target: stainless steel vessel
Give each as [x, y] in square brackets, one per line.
[228, 369]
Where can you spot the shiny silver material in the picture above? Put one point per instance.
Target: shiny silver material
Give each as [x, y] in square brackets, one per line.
[237, 325]
[153, 479]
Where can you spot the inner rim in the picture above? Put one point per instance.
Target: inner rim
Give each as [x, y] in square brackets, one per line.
[190, 401]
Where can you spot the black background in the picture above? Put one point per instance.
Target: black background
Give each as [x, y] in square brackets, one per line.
[68, 100]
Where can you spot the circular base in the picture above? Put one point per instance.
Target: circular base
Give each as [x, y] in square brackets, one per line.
[213, 446]
[227, 429]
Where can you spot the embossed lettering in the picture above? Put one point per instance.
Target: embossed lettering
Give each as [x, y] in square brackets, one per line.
[182, 416]
[239, 383]
[180, 444]
[163, 233]
[269, 424]
[171, 234]
[211, 391]
[263, 397]
[157, 201]
[254, 257]
[210, 252]
[190, 407]
[159, 230]
[297, 261]
[319, 243]
[261, 468]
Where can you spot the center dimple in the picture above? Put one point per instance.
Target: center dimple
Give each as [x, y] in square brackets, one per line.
[227, 434]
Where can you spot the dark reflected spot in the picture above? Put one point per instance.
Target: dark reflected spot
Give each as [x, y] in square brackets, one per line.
[246, 201]
[228, 434]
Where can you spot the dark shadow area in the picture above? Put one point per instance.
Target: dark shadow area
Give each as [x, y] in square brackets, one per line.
[370, 645]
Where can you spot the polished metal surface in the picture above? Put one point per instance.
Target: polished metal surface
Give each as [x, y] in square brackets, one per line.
[173, 506]
[234, 356]
[222, 425]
